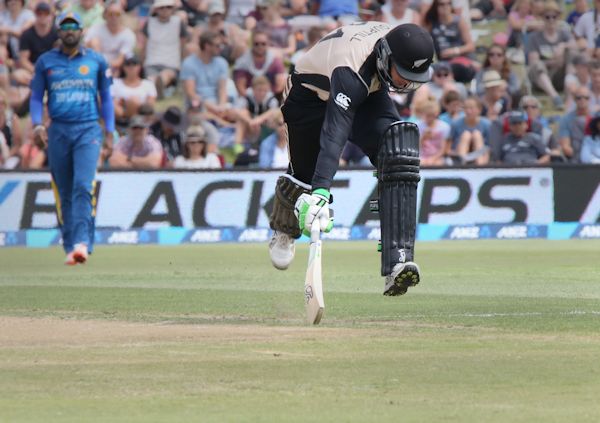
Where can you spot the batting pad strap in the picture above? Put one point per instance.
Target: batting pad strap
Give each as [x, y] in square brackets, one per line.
[398, 176]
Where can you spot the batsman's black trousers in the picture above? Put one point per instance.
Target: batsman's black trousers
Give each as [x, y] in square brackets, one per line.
[304, 113]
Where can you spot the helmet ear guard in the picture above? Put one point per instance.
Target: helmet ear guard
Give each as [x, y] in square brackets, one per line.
[384, 62]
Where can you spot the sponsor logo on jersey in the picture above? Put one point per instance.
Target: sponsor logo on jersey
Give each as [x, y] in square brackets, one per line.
[342, 100]
[84, 69]
[418, 63]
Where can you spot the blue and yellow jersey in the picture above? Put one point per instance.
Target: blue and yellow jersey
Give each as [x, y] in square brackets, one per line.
[73, 83]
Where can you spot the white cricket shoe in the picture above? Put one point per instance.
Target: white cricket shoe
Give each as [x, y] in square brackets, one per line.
[403, 276]
[80, 253]
[282, 249]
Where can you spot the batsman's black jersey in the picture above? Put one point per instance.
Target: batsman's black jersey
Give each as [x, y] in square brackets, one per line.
[341, 70]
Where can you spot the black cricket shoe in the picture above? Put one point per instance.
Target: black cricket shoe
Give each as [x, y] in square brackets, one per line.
[403, 276]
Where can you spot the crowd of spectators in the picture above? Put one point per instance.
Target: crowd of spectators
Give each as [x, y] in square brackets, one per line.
[198, 83]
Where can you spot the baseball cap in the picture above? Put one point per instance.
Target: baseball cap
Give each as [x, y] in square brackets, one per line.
[138, 122]
[412, 52]
[69, 16]
[172, 117]
[42, 7]
[517, 116]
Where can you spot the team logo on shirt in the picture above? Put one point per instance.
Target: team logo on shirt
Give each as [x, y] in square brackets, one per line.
[84, 70]
[342, 100]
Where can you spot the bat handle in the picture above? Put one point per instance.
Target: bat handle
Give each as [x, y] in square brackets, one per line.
[315, 231]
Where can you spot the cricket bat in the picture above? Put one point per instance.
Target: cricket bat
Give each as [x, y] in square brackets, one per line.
[313, 284]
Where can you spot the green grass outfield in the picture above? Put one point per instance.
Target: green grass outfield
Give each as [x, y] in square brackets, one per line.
[498, 331]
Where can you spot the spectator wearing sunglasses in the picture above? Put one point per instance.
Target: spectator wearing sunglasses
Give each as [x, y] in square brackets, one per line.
[547, 51]
[578, 75]
[257, 61]
[539, 124]
[442, 81]
[495, 59]
[571, 128]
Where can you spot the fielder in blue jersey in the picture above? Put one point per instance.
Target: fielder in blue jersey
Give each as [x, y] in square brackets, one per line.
[77, 82]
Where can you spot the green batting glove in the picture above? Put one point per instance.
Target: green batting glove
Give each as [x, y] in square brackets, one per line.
[311, 207]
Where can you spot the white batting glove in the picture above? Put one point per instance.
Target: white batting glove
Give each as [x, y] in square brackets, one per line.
[311, 207]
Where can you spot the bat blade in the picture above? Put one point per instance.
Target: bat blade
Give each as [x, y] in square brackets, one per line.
[313, 285]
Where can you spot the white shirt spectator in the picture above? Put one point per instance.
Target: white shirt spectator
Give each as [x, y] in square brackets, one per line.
[280, 157]
[146, 89]
[586, 27]
[112, 45]
[211, 161]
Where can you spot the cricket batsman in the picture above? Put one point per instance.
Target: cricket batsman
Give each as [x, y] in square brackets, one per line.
[73, 78]
[339, 91]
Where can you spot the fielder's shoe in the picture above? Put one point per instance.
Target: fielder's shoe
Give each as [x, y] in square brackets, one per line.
[80, 253]
[70, 260]
[282, 249]
[403, 276]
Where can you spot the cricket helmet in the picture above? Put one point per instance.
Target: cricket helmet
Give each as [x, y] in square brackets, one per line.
[409, 49]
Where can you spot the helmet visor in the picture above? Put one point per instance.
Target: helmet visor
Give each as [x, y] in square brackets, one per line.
[413, 76]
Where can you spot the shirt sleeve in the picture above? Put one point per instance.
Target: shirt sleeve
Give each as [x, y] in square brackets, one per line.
[346, 94]
[38, 87]
[187, 71]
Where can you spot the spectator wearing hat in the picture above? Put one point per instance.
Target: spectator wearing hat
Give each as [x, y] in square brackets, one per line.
[259, 60]
[520, 147]
[536, 123]
[131, 89]
[34, 41]
[111, 37]
[168, 131]
[90, 11]
[204, 76]
[590, 147]
[495, 101]
[139, 149]
[38, 39]
[547, 53]
[163, 38]
[578, 75]
[195, 155]
[495, 59]
[572, 126]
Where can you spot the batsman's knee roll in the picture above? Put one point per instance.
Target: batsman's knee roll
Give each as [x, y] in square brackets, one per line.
[287, 191]
[397, 179]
